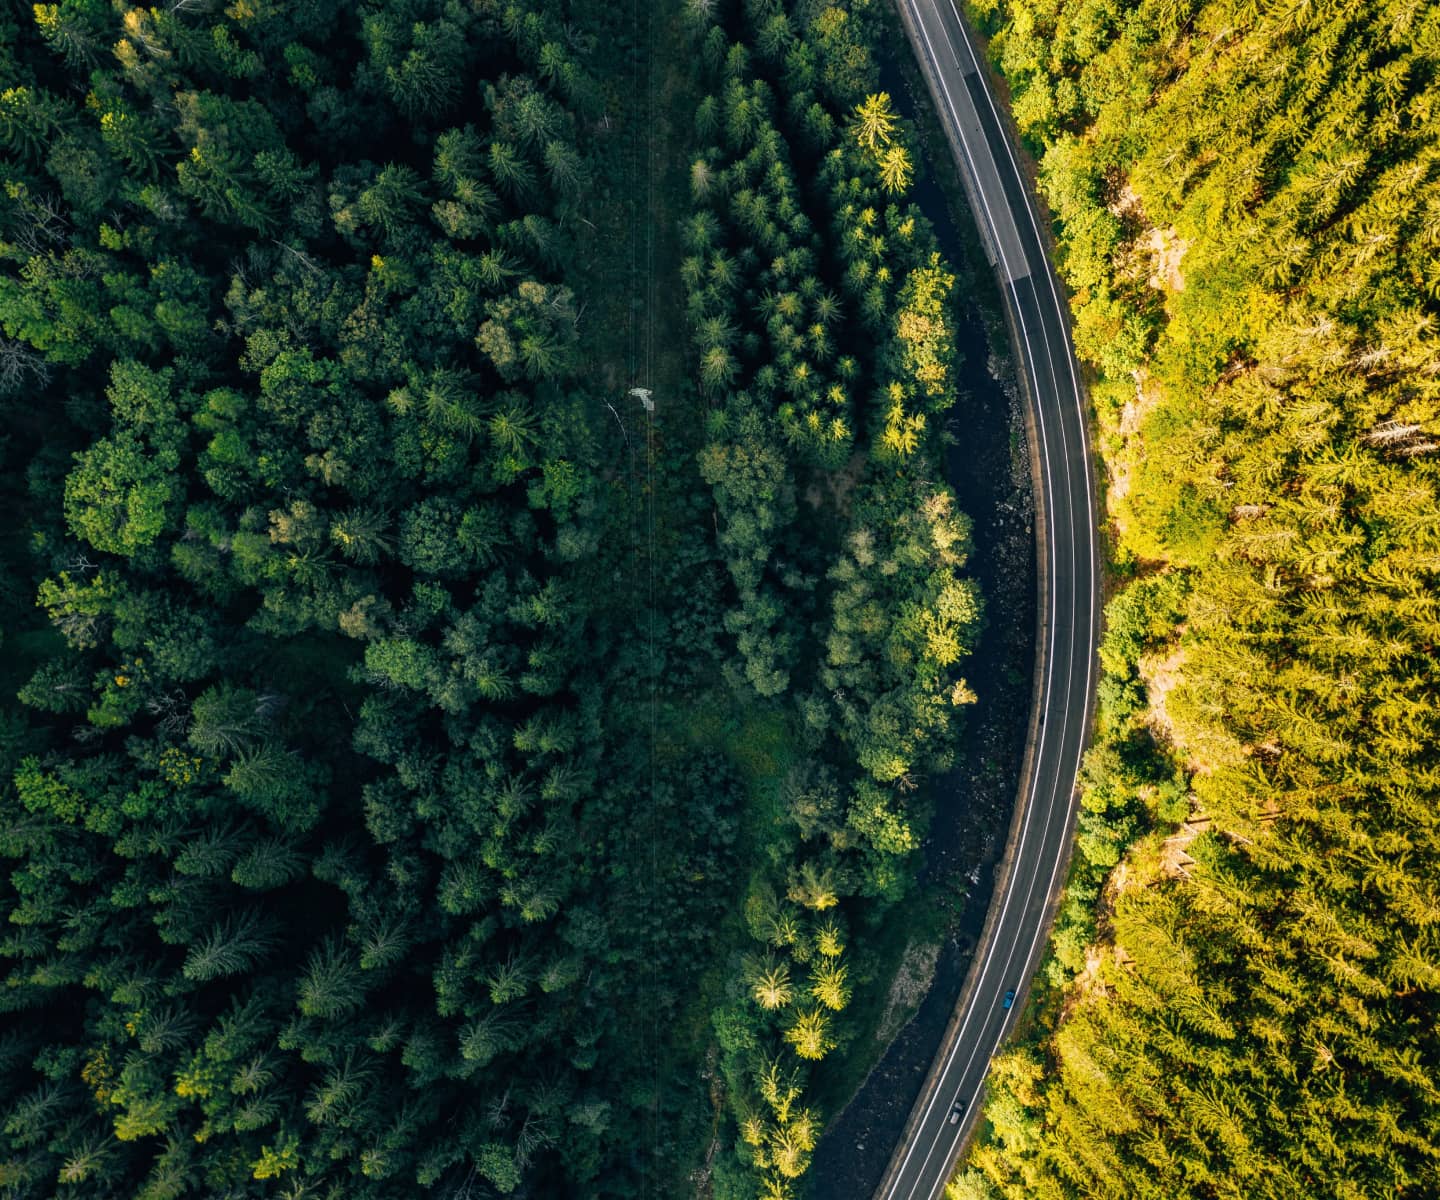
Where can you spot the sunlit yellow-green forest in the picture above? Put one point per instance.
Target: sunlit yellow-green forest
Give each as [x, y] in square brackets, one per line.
[1248, 208]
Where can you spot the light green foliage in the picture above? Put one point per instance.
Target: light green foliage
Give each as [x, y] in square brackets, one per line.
[926, 334]
[40, 791]
[122, 495]
[874, 126]
[117, 497]
[877, 823]
[80, 611]
[901, 618]
[531, 333]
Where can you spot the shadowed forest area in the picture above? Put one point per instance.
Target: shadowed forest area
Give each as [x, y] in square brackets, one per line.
[1243, 985]
[430, 766]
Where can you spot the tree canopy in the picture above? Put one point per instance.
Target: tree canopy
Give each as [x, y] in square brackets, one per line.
[1246, 202]
[381, 812]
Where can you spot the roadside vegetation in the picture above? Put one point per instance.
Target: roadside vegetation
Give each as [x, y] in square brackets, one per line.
[819, 310]
[425, 768]
[1246, 969]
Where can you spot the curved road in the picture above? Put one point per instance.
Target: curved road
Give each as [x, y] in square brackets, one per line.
[1029, 880]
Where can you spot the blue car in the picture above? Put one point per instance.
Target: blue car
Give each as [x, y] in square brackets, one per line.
[1009, 999]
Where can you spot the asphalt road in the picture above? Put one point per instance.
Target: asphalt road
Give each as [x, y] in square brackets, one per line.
[1030, 878]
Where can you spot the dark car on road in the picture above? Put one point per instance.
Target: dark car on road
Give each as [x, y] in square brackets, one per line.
[1009, 998]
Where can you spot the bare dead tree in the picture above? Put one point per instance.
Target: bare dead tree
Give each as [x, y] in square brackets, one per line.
[465, 1189]
[171, 710]
[495, 1111]
[21, 365]
[301, 257]
[1403, 438]
[1388, 433]
[269, 705]
[80, 561]
[533, 1137]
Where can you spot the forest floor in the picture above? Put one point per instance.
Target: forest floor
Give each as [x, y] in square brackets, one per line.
[673, 429]
[644, 298]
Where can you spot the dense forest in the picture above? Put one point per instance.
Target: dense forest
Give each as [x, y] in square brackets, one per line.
[1247, 968]
[429, 764]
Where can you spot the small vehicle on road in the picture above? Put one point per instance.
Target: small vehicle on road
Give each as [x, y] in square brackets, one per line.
[1009, 998]
[957, 1110]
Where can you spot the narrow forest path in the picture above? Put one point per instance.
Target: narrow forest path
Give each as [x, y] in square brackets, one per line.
[644, 371]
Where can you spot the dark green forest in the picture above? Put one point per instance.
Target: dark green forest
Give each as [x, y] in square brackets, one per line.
[1246, 977]
[430, 765]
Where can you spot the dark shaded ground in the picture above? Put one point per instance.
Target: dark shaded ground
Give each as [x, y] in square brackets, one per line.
[989, 470]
